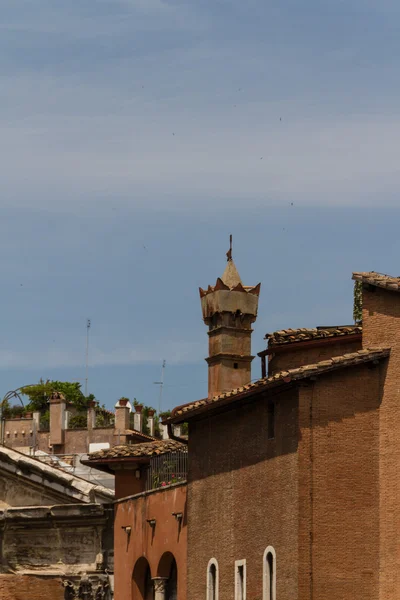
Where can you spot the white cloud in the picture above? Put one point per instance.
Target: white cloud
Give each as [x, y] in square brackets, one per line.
[219, 158]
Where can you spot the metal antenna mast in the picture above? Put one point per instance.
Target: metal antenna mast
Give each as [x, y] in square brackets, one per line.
[87, 356]
[161, 384]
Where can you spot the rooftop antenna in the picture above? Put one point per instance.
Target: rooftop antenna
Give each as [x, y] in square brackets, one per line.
[161, 384]
[87, 356]
[229, 253]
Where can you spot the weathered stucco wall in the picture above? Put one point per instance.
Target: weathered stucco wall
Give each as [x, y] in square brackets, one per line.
[59, 540]
[153, 546]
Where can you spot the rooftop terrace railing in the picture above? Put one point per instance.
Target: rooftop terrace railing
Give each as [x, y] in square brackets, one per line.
[166, 469]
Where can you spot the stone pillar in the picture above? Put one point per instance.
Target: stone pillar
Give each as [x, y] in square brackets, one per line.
[160, 588]
[177, 430]
[122, 418]
[57, 418]
[91, 415]
[164, 431]
[138, 417]
[150, 421]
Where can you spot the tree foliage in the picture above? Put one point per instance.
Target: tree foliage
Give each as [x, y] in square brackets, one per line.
[40, 393]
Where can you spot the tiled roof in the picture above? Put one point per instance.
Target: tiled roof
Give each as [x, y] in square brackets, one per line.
[378, 279]
[180, 413]
[289, 336]
[32, 471]
[139, 450]
[138, 434]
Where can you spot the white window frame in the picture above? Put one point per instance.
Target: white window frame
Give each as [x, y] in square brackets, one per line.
[212, 561]
[266, 574]
[240, 563]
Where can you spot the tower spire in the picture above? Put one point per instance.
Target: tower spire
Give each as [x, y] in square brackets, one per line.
[229, 253]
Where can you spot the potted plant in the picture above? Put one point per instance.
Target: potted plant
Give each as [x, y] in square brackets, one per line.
[123, 401]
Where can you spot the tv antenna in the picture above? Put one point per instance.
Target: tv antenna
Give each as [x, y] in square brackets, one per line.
[161, 384]
[88, 323]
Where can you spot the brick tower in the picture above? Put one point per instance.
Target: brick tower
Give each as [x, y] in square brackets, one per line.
[229, 309]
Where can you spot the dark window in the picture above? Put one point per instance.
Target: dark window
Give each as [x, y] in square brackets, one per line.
[270, 576]
[271, 420]
[270, 567]
[240, 592]
[212, 582]
[235, 365]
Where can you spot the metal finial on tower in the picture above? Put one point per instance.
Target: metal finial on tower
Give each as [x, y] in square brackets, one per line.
[229, 253]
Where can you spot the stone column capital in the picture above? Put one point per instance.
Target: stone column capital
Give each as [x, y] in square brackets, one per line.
[160, 587]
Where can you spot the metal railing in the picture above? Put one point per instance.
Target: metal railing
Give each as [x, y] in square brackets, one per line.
[167, 469]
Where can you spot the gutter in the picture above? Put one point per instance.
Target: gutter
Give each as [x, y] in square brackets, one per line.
[174, 437]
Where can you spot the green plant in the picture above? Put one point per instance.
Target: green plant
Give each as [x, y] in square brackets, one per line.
[78, 421]
[357, 305]
[40, 393]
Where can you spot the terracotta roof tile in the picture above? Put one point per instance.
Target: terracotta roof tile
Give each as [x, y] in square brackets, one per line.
[290, 336]
[138, 434]
[378, 279]
[290, 375]
[139, 450]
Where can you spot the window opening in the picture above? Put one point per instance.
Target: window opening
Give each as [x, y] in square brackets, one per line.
[240, 580]
[269, 570]
[212, 580]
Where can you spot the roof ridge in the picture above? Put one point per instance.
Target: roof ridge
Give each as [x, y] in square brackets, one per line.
[301, 334]
[154, 448]
[287, 376]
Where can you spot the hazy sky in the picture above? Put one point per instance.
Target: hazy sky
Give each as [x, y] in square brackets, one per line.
[137, 134]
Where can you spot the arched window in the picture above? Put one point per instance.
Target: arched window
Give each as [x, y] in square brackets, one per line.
[269, 574]
[212, 580]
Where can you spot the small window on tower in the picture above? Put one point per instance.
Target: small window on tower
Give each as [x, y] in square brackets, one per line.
[235, 365]
[271, 420]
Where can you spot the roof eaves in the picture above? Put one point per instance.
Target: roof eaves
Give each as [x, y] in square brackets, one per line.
[282, 378]
[381, 280]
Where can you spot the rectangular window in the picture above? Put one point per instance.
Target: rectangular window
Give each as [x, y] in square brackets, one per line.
[240, 579]
[271, 420]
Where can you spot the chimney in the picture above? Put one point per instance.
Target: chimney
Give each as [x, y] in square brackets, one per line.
[91, 415]
[229, 310]
[150, 421]
[57, 418]
[122, 415]
[177, 430]
[138, 417]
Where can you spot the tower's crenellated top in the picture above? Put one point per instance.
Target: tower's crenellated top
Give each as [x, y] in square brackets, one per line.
[229, 294]
[229, 308]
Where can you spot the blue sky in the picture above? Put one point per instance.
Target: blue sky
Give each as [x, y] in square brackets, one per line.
[138, 134]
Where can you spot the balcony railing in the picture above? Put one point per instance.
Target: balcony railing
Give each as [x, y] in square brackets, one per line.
[167, 469]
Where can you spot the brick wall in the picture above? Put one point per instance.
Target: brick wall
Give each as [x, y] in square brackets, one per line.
[339, 485]
[243, 496]
[17, 435]
[381, 327]
[25, 587]
[290, 357]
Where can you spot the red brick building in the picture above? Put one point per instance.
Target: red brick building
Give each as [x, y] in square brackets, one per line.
[150, 529]
[292, 483]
